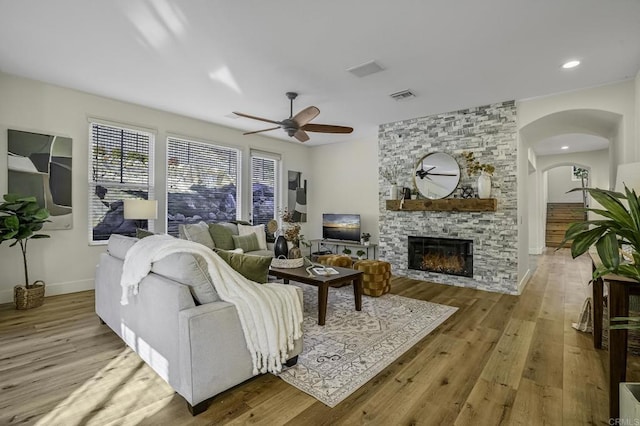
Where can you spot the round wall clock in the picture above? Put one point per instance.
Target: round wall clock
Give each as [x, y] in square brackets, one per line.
[437, 175]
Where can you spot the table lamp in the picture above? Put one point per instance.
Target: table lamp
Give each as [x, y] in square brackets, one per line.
[140, 210]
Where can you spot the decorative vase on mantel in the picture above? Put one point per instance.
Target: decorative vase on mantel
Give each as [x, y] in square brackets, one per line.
[393, 192]
[484, 185]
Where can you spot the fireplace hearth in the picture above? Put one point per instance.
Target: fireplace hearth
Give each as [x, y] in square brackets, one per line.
[450, 256]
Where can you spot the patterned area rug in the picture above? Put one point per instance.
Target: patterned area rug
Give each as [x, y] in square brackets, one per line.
[352, 347]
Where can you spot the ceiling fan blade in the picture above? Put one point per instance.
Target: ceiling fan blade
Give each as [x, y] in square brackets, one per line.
[260, 131]
[256, 118]
[301, 136]
[306, 115]
[326, 128]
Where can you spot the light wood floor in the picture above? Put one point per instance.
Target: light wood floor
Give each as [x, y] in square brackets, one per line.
[499, 360]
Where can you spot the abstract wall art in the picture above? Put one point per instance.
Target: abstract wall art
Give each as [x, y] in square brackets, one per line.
[297, 196]
[40, 165]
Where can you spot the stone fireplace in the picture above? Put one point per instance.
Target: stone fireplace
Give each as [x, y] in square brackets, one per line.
[490, 132]
[452, 256]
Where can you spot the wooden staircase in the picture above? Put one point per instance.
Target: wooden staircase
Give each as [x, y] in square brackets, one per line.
[559, 217]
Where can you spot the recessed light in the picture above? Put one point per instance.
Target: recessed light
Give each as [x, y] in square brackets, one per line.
[570, 64]
[564, 147]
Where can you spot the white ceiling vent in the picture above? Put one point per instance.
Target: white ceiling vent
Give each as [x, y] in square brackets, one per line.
[403, 95]
[365, 69]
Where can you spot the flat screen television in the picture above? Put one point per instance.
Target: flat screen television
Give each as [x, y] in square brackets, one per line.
[345, 227]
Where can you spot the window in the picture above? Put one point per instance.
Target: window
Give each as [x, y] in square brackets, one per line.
[264, 172]
[202, 183]
[121, 167]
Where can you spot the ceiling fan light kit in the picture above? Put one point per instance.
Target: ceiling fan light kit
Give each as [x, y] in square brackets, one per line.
[297, 125]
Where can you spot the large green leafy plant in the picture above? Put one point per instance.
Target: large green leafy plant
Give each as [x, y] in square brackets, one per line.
[620, 229]
[20, 219]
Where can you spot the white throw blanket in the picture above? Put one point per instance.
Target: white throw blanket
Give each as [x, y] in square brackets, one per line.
[270, 314]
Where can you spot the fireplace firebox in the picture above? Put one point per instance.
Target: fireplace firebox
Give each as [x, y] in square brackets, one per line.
[442, 255]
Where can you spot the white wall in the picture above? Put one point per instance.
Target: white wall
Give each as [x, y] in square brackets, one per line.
[345, 181]
[66, 262]
[560, 183]
[607, 111]
[637, 141]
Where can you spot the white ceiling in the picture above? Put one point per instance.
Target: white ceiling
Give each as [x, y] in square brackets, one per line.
[451, 54]
[574, 142]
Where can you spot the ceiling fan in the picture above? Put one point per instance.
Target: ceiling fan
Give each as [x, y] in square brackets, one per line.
[297, 125]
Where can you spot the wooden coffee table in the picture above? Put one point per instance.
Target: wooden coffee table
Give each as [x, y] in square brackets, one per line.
[323, 283]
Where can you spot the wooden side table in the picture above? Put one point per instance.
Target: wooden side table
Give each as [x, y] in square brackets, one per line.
[619, 289]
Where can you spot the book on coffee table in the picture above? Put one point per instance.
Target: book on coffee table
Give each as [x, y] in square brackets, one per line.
[325, 271]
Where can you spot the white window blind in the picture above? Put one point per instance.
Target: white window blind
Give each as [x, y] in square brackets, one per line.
[202, 183]
[263, 189]
[121, 167]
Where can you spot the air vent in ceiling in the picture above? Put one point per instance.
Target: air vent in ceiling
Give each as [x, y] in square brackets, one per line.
[365, 69]
[403, 95]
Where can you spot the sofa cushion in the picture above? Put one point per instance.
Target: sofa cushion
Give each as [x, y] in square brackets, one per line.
[267, 253]
[190, 270]
[184, 268]
[119, 245]
[258, 230]
[222, 235]
[142, 233]
[254, 268]
[246, 242]
[197, 232]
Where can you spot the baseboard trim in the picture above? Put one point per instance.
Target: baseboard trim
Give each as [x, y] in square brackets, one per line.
[536, 250]
[6, 296]
[523, 282]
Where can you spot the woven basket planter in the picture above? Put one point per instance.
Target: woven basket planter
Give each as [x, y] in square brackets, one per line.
[27, 298]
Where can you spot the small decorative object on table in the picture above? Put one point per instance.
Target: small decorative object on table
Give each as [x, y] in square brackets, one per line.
[466, 192]
[364, 239]
[360, 254]
[347, 251]
[485, 170]
[283, 262]
[20, 219]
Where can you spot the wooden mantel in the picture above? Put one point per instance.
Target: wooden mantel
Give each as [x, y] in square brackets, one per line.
[446, 205]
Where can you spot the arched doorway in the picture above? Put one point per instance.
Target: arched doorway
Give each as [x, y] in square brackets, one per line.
[591, 136]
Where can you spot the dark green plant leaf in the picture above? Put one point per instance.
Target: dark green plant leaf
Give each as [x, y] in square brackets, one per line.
[38, 236]
[608, 251]
[615, 208]
[616, 319]
[625, 327]
[584, 240]
[12, 222]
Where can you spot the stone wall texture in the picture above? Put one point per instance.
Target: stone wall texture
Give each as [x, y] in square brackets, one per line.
[489, 132]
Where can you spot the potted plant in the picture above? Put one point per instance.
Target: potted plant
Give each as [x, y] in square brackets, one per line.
[618, 232]
[414, 193]
[364, 239]
[347, 251]
[485, 170]
[20, 219]
[360, 254]
[391, 174]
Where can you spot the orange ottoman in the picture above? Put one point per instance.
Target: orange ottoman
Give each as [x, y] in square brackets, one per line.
[376, 277]
[339, 260]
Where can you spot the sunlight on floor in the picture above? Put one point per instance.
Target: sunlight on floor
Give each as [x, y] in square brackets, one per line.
[126, 390]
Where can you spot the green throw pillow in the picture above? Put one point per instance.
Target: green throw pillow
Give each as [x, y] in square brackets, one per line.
[246, 242]
[254, 268]
[141, 233]
[222, 236]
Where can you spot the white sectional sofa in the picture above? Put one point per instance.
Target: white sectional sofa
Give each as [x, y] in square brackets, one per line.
[177, 324]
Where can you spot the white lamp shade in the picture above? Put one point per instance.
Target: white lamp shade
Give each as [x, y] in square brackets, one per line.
[629, 175]
[136, 209]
